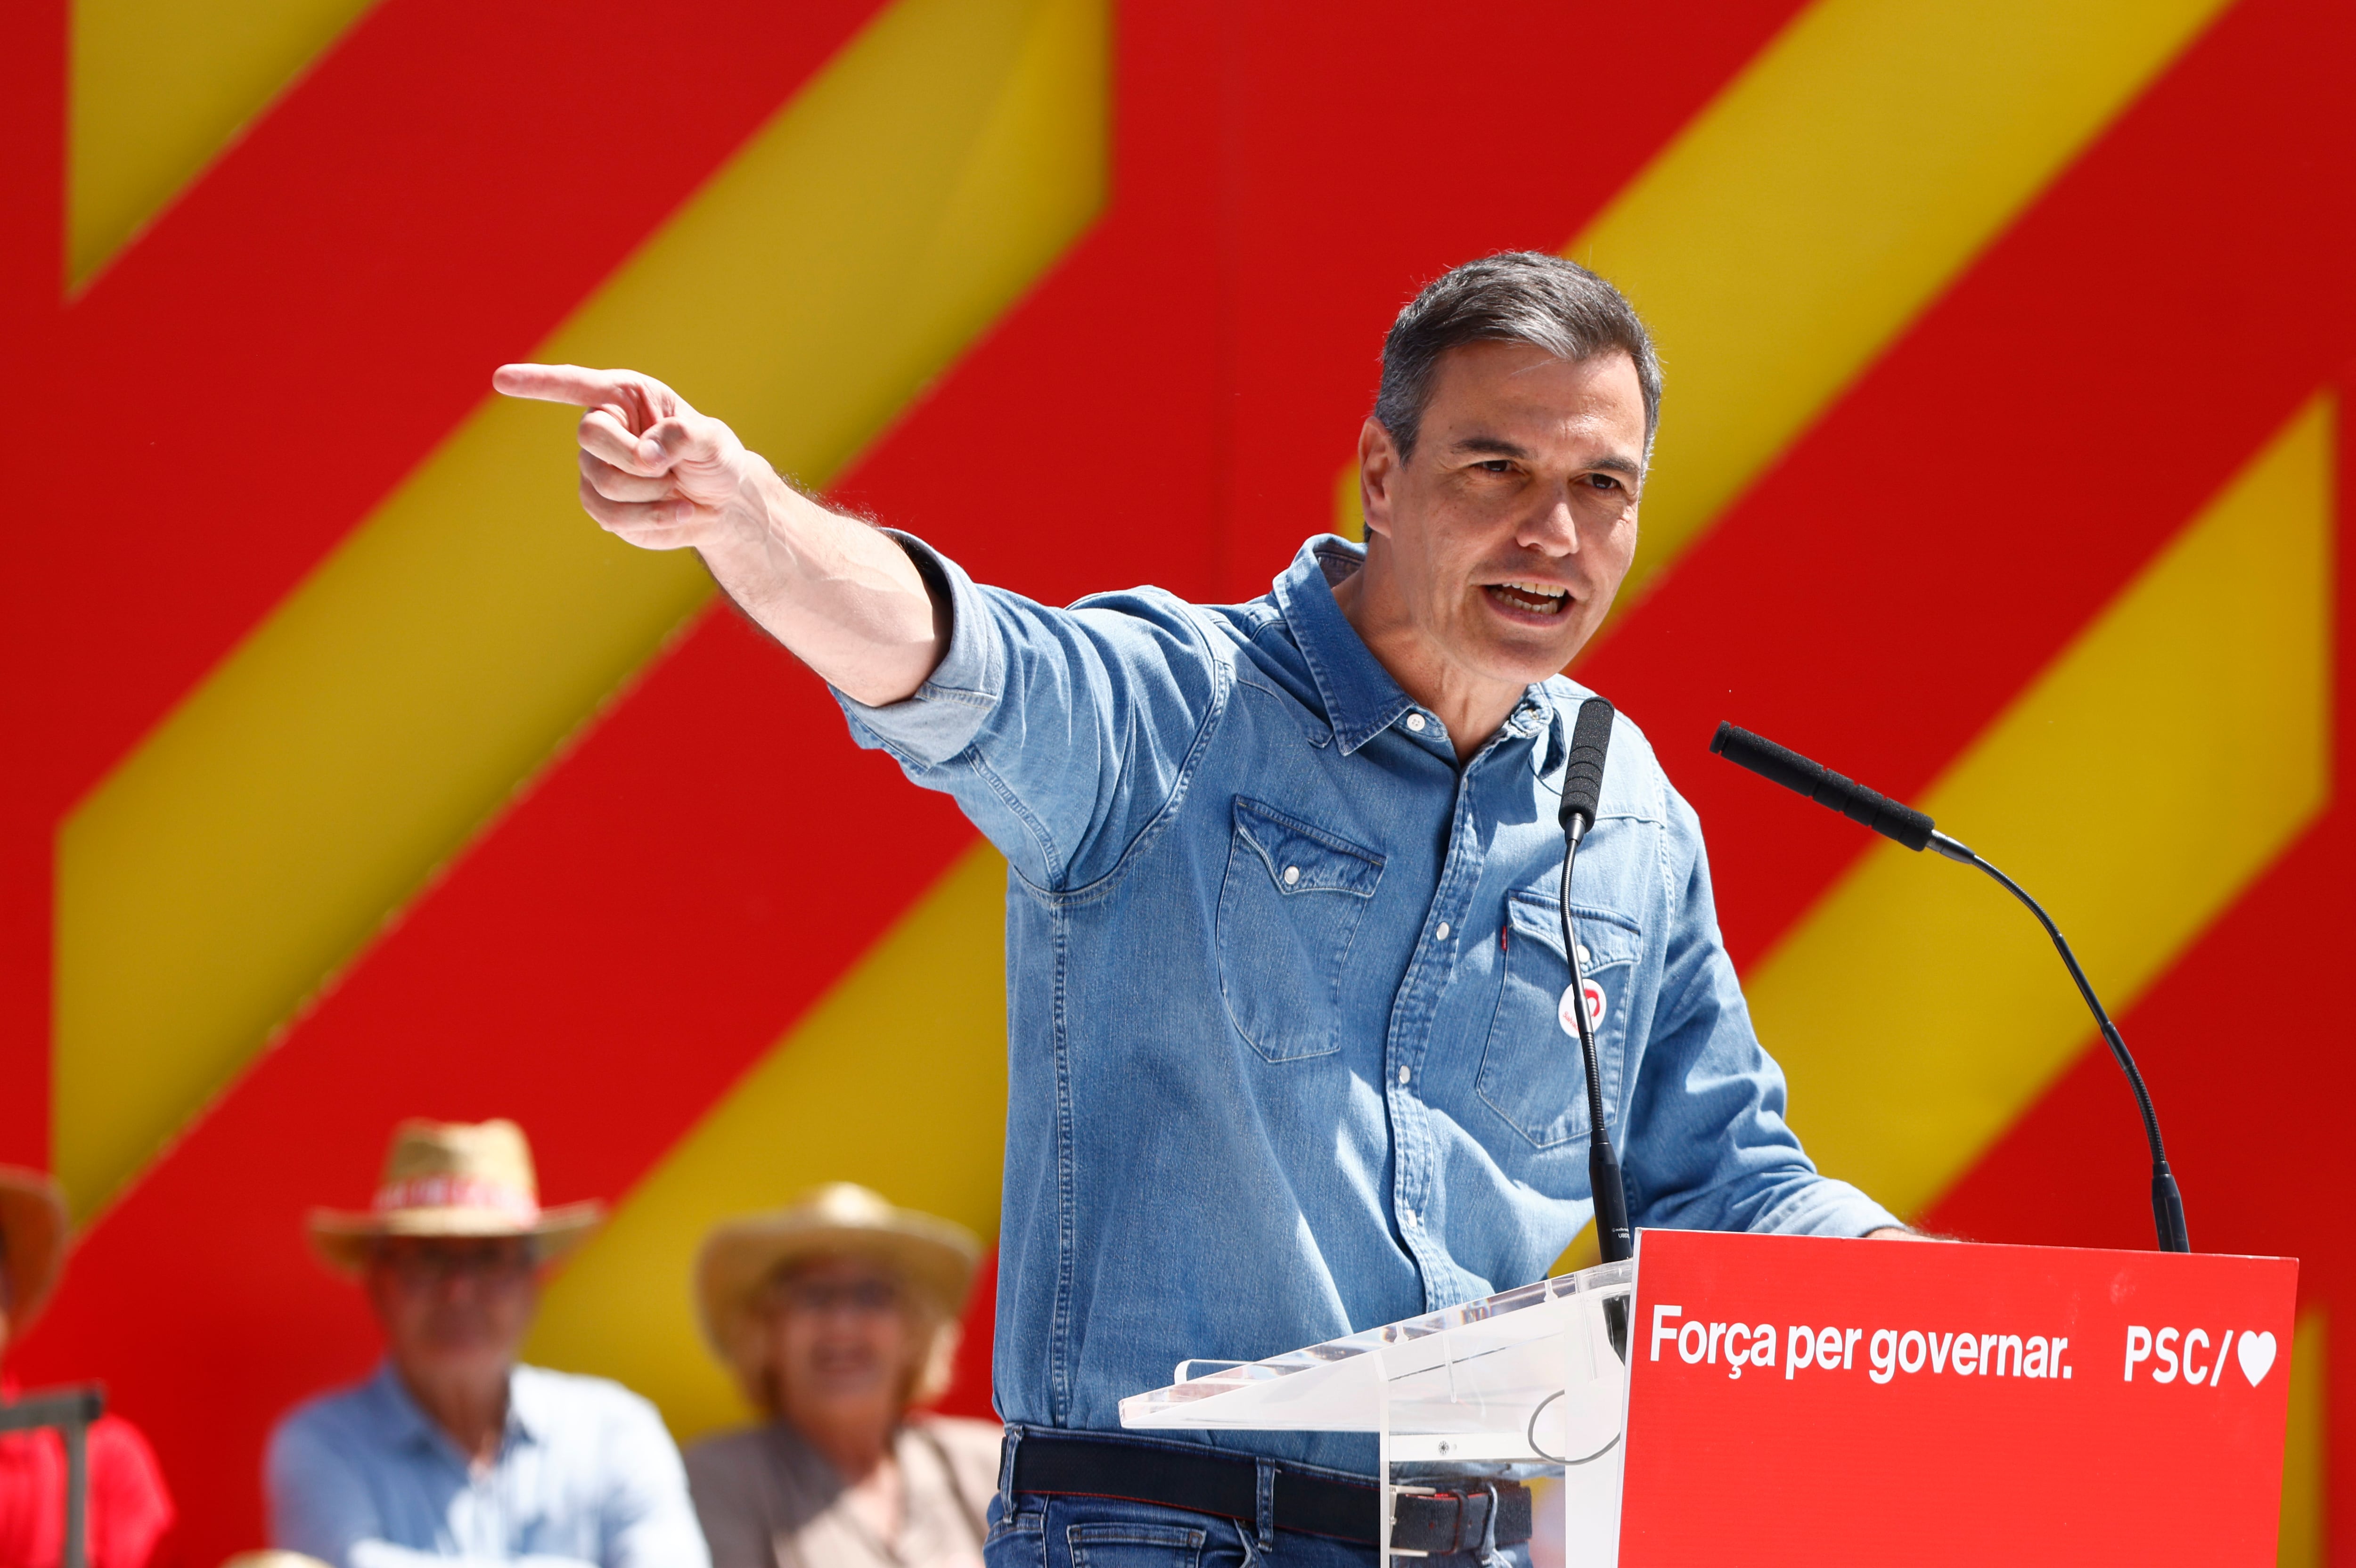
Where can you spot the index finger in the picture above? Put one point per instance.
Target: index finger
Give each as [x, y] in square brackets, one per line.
[561, 384]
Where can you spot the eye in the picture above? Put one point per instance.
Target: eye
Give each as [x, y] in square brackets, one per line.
[1496, 466]
[1605, 482]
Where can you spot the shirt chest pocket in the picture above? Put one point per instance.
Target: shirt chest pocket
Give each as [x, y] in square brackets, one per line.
[1531, 1073]
[1289, 911]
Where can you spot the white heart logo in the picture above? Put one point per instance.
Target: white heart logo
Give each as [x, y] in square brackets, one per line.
[2257, 1353]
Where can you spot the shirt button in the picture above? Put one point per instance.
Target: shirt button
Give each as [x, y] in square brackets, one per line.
[1403, 1074]
[1442, 931]
[1415, 722]
[1585, 957]
[1291, 875]
[1407, 1217]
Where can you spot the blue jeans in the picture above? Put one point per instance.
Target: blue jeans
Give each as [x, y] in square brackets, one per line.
[1030, 1529]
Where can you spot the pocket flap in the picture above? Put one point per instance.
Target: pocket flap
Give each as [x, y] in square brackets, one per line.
[1609, 938]
[1302, 859]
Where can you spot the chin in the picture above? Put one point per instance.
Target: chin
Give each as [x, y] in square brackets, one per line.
[1526, 666]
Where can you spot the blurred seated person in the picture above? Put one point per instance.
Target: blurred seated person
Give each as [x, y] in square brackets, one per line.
[837, 1315]
[130, 1514]
[452, 1450]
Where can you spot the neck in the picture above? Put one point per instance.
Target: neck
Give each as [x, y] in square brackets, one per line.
[473, 1411]
[1472, 706]
[858, 1446]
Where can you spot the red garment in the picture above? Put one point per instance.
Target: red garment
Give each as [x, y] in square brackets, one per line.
[130, 1511]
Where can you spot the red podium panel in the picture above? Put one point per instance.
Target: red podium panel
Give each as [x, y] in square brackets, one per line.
[1827, 1403]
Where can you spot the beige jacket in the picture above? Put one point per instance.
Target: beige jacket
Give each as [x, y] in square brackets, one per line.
[768, 1500]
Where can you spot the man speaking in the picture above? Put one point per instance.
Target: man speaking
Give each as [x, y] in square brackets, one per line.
[1285, 977]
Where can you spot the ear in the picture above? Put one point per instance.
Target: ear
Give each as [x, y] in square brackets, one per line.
[1378, 472]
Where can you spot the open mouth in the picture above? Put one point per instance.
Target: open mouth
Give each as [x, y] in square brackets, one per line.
[1530, 598]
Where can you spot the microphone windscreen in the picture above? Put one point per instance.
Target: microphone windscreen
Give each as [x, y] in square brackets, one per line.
[1582, 775]
[1886, 816]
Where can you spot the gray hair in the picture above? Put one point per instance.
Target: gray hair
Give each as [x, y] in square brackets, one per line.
[1514, 296]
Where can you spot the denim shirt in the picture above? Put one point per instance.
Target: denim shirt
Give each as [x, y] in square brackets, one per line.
[586, 1474]
[1282, 989]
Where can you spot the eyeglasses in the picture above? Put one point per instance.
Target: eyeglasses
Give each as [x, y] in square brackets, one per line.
[420, 1265]
[859, 1298]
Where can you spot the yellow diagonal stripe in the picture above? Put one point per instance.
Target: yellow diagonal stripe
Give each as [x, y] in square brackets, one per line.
[2306, 1484]
[897, 1081]
[1804, 218]
[257, 839]
[1821, 201]
[2136, 787]
[159, 87]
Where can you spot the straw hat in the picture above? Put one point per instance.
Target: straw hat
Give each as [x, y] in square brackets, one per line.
[453, 1178]
[33, 1230]
[741, 1256]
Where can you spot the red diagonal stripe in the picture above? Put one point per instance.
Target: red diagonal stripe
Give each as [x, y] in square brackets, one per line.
[1940, 535]
[1345, 203]
[32, 209]
[318, 309]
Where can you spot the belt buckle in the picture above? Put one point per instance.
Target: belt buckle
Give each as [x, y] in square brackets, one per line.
[1458, 1537]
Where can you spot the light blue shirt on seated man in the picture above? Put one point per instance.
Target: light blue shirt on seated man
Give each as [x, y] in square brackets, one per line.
[587, 1474]
[1283, 988]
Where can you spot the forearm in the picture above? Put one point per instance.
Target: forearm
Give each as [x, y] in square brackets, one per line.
[384, 1554]
[841, 595]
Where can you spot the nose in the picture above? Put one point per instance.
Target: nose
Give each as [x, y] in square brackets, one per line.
[1553, 527]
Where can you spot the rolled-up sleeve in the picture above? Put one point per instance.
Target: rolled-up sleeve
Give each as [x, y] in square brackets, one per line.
[1716, 1153]
[1064, 734]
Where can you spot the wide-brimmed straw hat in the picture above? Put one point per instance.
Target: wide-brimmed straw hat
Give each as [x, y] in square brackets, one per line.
[740, 1257]
[33, 1230]
[455, 1179]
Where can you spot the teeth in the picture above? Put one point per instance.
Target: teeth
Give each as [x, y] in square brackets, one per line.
[1535, 590]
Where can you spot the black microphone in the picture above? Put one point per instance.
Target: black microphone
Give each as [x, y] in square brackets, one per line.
[1583, 786]
[1911, 829]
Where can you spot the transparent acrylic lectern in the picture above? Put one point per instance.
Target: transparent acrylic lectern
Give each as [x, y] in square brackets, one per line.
[1527, 1385]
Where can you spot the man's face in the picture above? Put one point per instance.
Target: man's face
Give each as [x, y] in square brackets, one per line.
[841, 1342]
[1509, 530]
[453, 1308]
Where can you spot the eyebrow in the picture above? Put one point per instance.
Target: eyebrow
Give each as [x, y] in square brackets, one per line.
[1498, 446]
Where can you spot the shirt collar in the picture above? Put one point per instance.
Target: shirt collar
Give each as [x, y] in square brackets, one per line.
[1362, 700]
[407, 1424]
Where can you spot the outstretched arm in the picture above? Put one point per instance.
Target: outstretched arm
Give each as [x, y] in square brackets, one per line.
[843, 597]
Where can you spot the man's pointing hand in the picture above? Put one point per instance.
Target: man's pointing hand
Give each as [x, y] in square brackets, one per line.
[652, 469]
[845, 598]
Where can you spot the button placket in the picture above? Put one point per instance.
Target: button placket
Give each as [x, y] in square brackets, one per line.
[1428, 972]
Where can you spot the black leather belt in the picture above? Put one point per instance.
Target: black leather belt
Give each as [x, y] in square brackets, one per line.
[1429, 1523]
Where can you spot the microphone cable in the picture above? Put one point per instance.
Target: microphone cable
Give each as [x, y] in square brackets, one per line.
[1895, 820]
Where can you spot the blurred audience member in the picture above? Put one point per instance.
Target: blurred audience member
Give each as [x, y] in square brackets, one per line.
[452, 1450]
[835, 1316]
[129, 1513]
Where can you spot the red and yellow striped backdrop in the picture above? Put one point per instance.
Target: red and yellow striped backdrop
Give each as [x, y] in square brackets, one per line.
[356, 776]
